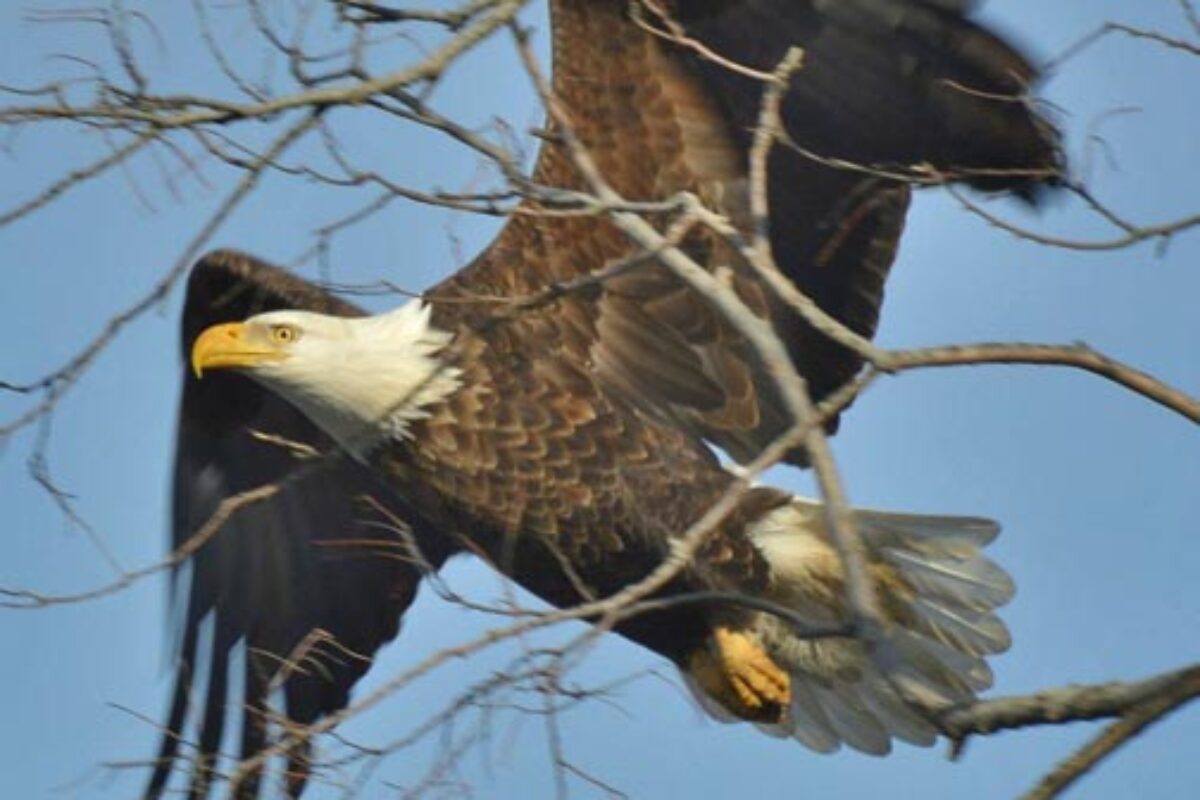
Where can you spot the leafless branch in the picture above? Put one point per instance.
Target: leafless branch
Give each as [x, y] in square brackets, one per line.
[62, 379]
[1135, 705]
[179, 131]
[26, 599]
[1109, 28]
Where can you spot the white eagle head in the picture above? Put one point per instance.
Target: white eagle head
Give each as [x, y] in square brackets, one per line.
[361, 379]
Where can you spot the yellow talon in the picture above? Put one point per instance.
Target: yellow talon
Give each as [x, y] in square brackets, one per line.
[737, 672]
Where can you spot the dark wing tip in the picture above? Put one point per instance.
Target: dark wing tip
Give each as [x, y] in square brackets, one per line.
[306, 559]
[981, 83]
[915, 89]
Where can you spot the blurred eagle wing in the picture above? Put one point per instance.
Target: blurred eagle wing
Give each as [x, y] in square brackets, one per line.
[309, 581]
[890, 90]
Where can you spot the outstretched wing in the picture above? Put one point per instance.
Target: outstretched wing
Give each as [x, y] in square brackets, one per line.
[310, 581]
[890, 91]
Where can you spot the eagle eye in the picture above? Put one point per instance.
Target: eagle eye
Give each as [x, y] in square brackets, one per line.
[284, 334]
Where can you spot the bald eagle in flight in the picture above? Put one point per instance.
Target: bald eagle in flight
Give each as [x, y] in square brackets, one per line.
[569, 443]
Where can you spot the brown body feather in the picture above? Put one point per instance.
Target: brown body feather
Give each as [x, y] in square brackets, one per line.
[562, 484]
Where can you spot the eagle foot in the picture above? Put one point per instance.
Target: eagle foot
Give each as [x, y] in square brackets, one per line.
[735, 671]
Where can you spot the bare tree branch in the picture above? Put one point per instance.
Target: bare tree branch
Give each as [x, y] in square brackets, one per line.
[177, 132]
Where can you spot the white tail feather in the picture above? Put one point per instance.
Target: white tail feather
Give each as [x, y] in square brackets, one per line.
[811, 724]
[940, 593]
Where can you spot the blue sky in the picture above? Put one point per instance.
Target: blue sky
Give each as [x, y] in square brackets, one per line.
[1095, 487]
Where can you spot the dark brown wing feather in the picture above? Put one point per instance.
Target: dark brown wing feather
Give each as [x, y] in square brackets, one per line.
[894, 84]
[309, 559]
[890, 84]
[899, 86]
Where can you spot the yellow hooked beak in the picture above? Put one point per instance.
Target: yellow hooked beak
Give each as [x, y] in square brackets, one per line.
[228, 346]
